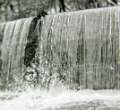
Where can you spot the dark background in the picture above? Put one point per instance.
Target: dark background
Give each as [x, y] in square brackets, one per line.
[15, 9]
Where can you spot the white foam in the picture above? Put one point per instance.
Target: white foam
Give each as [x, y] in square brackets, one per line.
[39, 100]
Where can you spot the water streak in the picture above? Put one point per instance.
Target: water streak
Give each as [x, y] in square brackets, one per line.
[82, 47]
[13, 48]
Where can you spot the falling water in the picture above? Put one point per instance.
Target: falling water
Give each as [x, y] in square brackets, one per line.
[78, 49]
[13, 45]
[2, 26]
[82, 48]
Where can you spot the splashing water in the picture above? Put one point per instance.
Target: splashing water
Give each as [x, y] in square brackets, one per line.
[78, 49]
[60, 100]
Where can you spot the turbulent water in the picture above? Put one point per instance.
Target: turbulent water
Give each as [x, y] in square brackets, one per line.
[79, 49]
[60, 99]
[14, 38]
[83, 47]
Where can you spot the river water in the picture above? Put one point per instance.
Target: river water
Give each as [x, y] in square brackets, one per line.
[60, 99]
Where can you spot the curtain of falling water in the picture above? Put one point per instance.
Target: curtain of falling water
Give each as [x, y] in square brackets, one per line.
[2, 26]
[82, 48]
[13, 47]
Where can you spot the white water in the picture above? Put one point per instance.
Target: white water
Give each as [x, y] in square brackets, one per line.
[80, 48]
[14, 38]
[61, 38]
[60, 99]
[83, 45]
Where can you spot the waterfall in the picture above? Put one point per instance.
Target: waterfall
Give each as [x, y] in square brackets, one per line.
[14, 38]
[82, 48]
[2, 26]
[75, 49]
[79, 49]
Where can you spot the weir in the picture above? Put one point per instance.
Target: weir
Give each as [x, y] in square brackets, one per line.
[79, 49]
